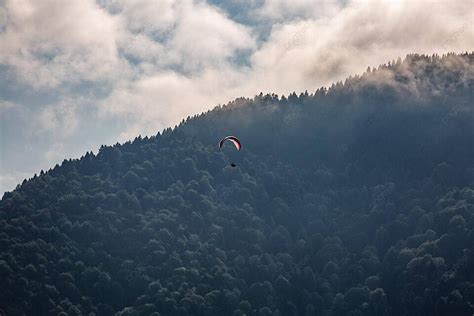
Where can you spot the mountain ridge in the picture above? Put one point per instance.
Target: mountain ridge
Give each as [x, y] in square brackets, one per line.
[341, 202]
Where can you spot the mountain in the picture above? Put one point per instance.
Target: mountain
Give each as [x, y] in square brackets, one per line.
[357, 199]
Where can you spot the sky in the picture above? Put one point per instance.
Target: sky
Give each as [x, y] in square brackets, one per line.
[78, 74]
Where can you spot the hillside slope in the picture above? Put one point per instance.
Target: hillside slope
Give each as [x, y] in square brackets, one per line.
[353, 200]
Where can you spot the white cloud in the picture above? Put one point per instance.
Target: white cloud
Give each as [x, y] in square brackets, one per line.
[157, 101]
[48, 42]
[313, 52]
[60, 119]
[142, 48]
[8, 181]
[298, 9]
[204, 36]
[149, 16]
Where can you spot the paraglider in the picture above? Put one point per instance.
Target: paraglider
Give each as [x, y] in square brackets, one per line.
[234, 140]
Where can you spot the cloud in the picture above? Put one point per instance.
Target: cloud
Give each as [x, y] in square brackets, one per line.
[48, 42]
[317, 51]
[148, 16]
[158, 101]
[8, 181]
[204, 36]
[142, 49]
[183, 34]
[4, 105]
[298, 9]
[60, 119]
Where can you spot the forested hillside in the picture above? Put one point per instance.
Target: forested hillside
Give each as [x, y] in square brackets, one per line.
[357, 199]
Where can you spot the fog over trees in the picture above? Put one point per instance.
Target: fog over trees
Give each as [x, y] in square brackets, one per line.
[356, 199]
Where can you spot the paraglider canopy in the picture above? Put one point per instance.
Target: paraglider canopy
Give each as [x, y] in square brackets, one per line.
[232, 139]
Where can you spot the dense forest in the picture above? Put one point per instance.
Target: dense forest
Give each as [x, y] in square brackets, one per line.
[355, 199]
